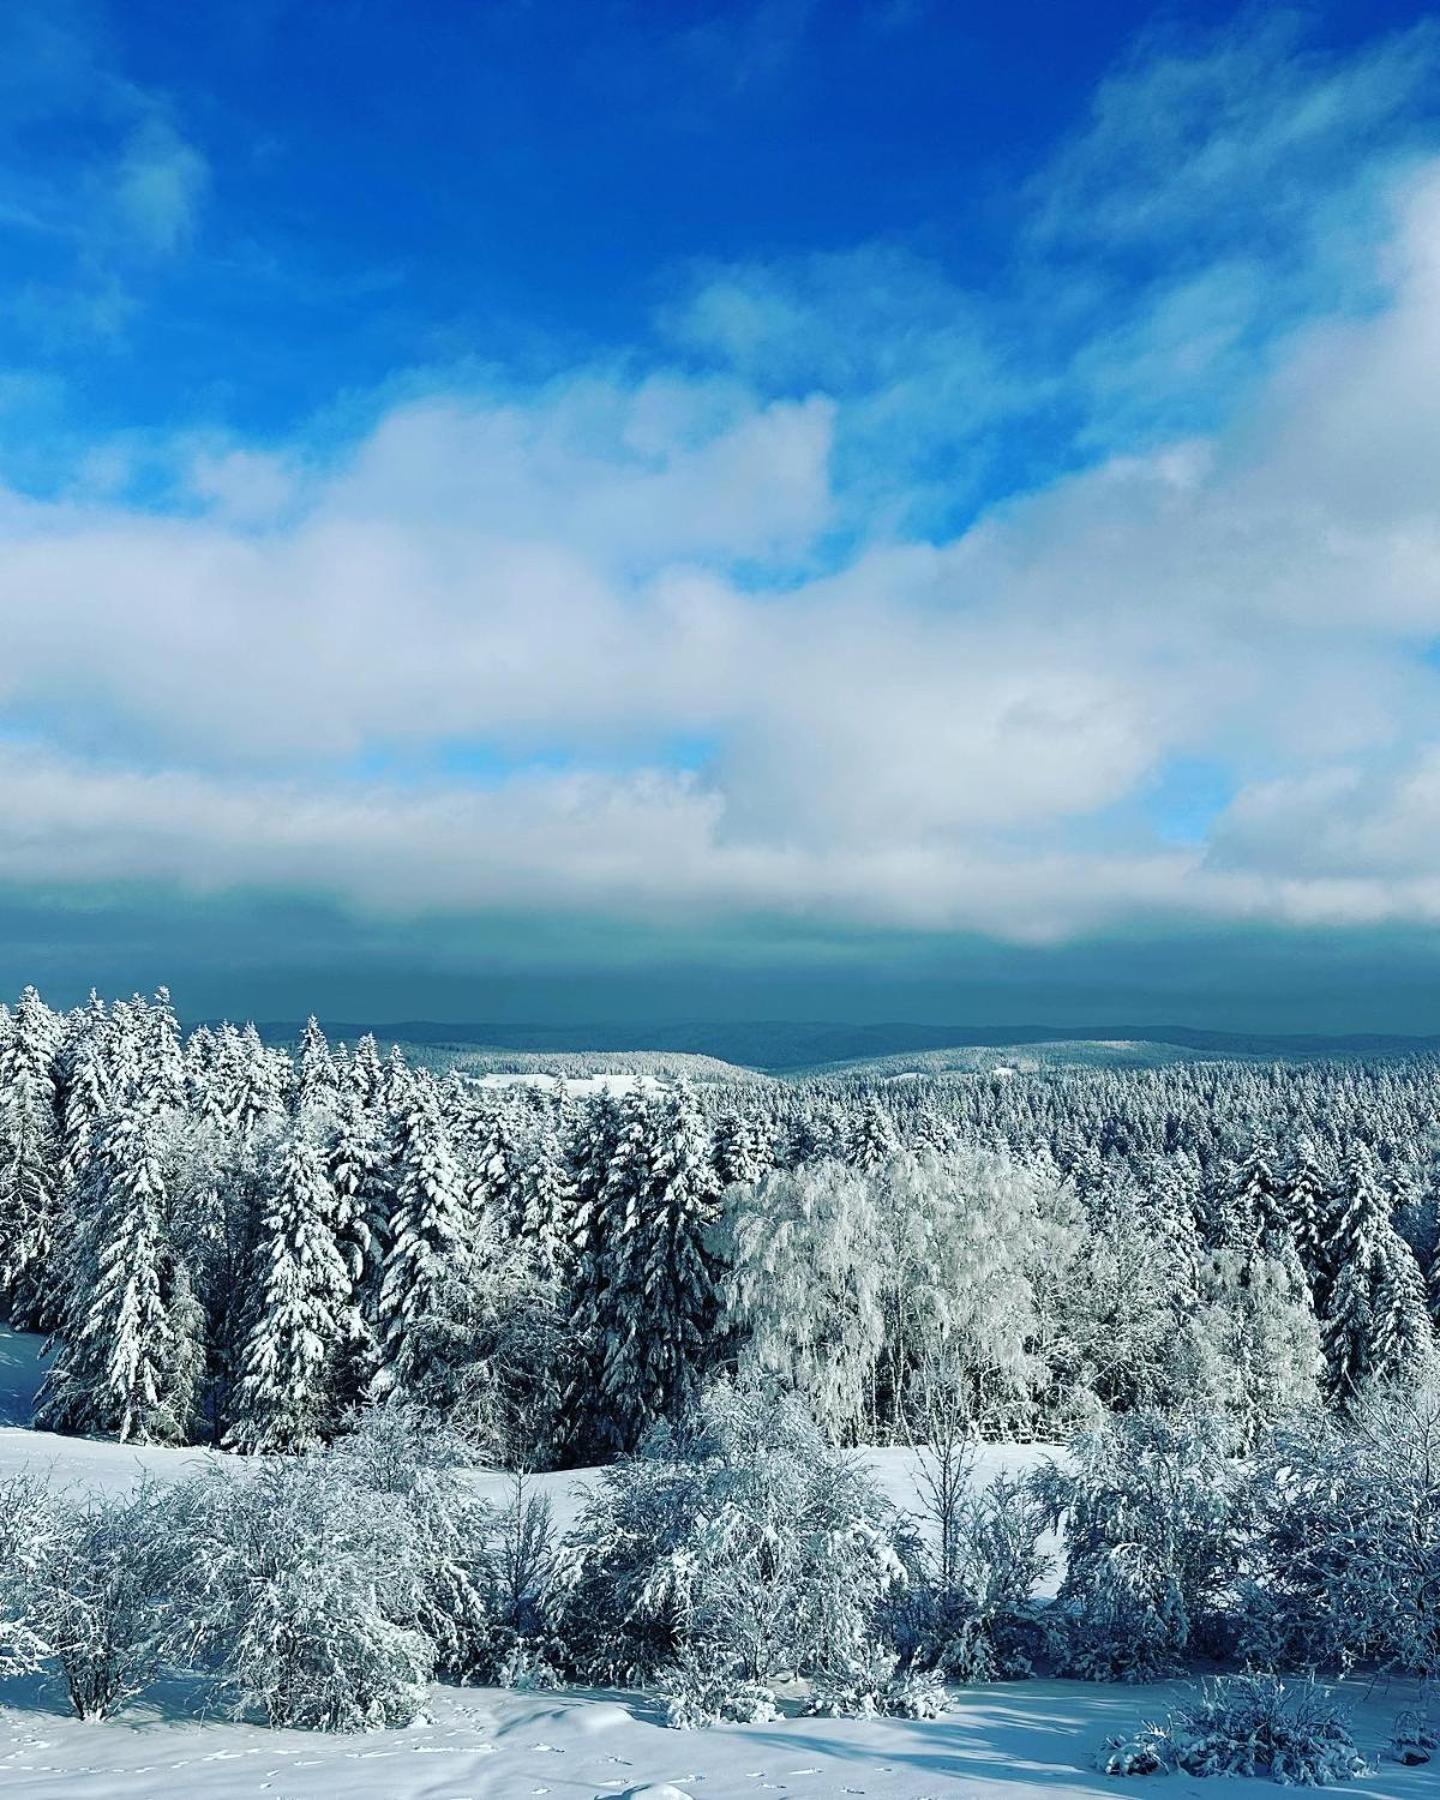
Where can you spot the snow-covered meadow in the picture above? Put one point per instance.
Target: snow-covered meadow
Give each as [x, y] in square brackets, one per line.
[1028, 1741]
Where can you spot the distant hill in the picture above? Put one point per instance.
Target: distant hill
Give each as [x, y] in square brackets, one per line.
[792, 1048]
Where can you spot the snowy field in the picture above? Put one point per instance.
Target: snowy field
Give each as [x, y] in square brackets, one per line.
[1020, 1741]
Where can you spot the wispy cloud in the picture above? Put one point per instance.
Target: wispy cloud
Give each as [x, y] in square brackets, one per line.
[125, 188]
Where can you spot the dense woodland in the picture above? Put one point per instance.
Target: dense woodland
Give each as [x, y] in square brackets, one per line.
[1209, 1282]
[233, 1245]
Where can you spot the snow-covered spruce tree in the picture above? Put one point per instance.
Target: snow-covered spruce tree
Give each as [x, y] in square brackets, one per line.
[87, 1091]
[1309, 1198]
[1433, 1288]
[871, 1140]
[740, 1153]
[736, 1540]
[30, 1163]
[252, 1080]
[162, 1057]
[548, 1227]
[430, 1248]
[1254, 1220]
[303, 1316]
[366, 1075]
[497, 1171]
[362, 1183]
[318, 1089]
[402, 1088]
[128, 1362]
[1148, 1509]
[1377, 1326]
[645, 1300]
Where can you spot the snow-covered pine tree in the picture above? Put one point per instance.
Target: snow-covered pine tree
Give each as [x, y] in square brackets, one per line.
[654, 1316]
[30, 1162]
[301, 1311]
[497, 1175]
[123, 1368]
[319, 1081]
[1307, 1193]
[739, 1152]
[872, 1139]
[365, 1074]
[1377, 1326]
[429, 1248]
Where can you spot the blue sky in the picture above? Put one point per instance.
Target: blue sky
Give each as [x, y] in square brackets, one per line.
[879, 509]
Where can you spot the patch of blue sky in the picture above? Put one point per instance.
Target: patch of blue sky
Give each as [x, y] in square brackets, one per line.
[1185, 796]
[487, 763]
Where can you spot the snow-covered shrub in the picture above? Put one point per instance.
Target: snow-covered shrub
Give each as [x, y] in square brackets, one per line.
[1146, 1752]
[879, 1689]
[408, 1459]
[27, 1523]
[1416, 1736]
[94, 1578]
[972, 1615]
[1345, 1559]
[526, 1666]
[519, 1648]
[1247, 1725]
[740, 1534]
[1150, 1513]
[304, 1594]
[697, 1695]
[916, 1694]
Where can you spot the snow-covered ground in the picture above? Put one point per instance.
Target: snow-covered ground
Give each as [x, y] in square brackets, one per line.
[1015, 1742]
[1021, 1742]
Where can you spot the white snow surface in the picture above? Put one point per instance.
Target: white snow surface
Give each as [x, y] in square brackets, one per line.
[1020, 1741]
